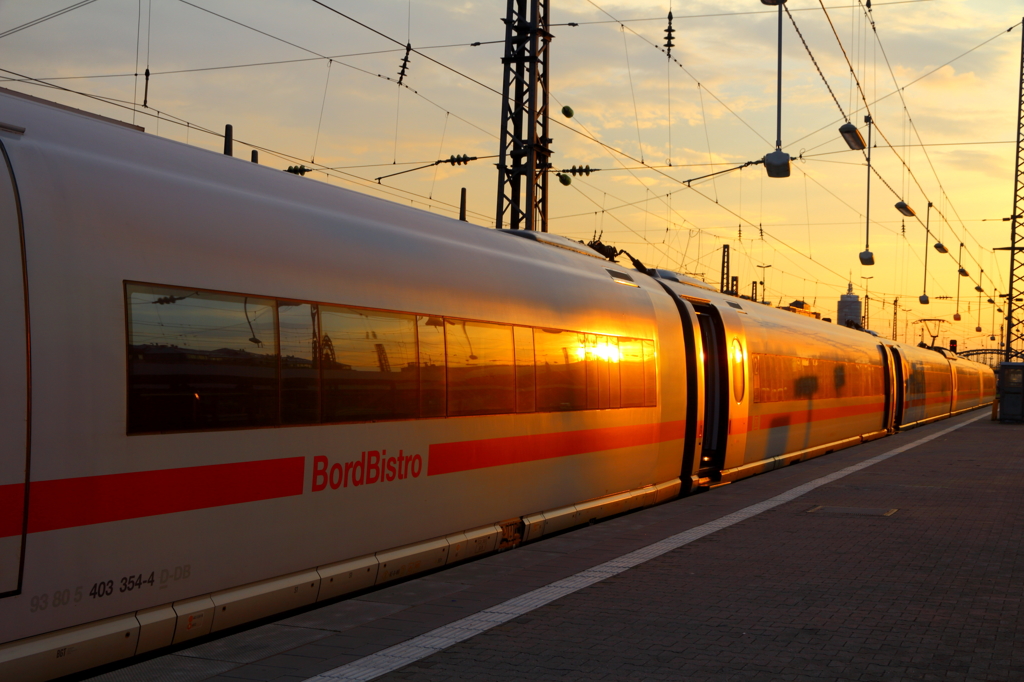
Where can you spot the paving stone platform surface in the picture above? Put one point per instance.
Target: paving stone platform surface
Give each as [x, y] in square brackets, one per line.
[833, 585]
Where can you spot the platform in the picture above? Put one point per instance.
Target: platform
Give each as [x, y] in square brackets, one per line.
[806, 573]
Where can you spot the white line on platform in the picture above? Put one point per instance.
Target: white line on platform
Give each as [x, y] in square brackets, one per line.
[427, 644]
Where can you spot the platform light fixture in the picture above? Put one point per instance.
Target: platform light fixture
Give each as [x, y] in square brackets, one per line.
[903, 208]
[980, 291]
[776, 163]
[851, 134]
[923, 298]
[866, 257]
[941, 248]
[963, 273]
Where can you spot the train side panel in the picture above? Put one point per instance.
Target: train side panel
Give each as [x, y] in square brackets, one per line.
[814, 385]
[928, 385]
[969, 388]
[154, 518]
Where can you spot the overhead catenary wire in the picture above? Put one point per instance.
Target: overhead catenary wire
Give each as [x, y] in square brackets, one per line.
[723, 14]
[913, 126]
[867, 104]
[189, 126]
[321, 56]
[320, 121]
[45, 18]
[636, 114]
[643, 166]
[275, 62]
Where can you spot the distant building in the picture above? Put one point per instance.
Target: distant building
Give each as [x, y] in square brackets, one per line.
[849, 309]
[801, 308]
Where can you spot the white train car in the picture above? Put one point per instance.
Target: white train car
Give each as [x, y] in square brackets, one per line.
[228, 391]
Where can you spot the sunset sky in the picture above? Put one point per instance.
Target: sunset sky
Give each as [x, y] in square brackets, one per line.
[329, 105]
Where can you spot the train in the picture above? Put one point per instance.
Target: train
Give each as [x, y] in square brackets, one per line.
[228, 392]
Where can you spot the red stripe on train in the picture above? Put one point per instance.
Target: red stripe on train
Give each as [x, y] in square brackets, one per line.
[12, 509]
[773, 420]
[448, 458]
[71, 502]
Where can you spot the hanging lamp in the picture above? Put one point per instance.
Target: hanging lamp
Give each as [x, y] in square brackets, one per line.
[776, 163]
[923, 298]
[866, 257]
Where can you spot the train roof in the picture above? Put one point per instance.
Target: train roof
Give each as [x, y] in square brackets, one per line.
[151, 209]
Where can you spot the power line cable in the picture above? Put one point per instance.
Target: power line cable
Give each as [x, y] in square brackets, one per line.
[913, 125]
[867, 107]
[724, 14]
[47, 17]
[335, 57]
[416, 50]
[332, 172]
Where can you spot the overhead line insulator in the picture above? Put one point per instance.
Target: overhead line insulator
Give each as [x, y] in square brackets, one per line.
[405, 63]
[459, 159]
[669, 32]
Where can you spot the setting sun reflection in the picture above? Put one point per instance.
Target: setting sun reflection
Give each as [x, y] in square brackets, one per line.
[609, 352]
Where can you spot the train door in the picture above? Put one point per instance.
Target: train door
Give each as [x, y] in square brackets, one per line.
[716, 394]
[901, 386]
[14, 384]
[694, 439]
[889, 365]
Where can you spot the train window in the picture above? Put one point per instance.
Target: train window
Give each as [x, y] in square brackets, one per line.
[430, 337]
[778, 378]
[650, 375]
[968, 382]
[597, 369]
[204, 360]
[298, 327]
[614, 377]
[602, 371]
[526, 370]
[199, 360]
[631, 372]
[561, 370]
[738, 370]
[481, 368]
[369, 365]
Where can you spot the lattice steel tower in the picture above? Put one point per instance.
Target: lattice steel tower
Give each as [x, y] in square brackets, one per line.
[1014, 305]
[525, 146]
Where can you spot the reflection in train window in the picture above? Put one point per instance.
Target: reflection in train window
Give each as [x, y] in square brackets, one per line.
[205, 360]
[650, 374]
[369, 365]
[430, 335]
[481, 368]
[597, 372]
[631, 369]
[778, 378]
[199, 360]
[300, 369]
[526, 373]
[968, 383]
[561, 370]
